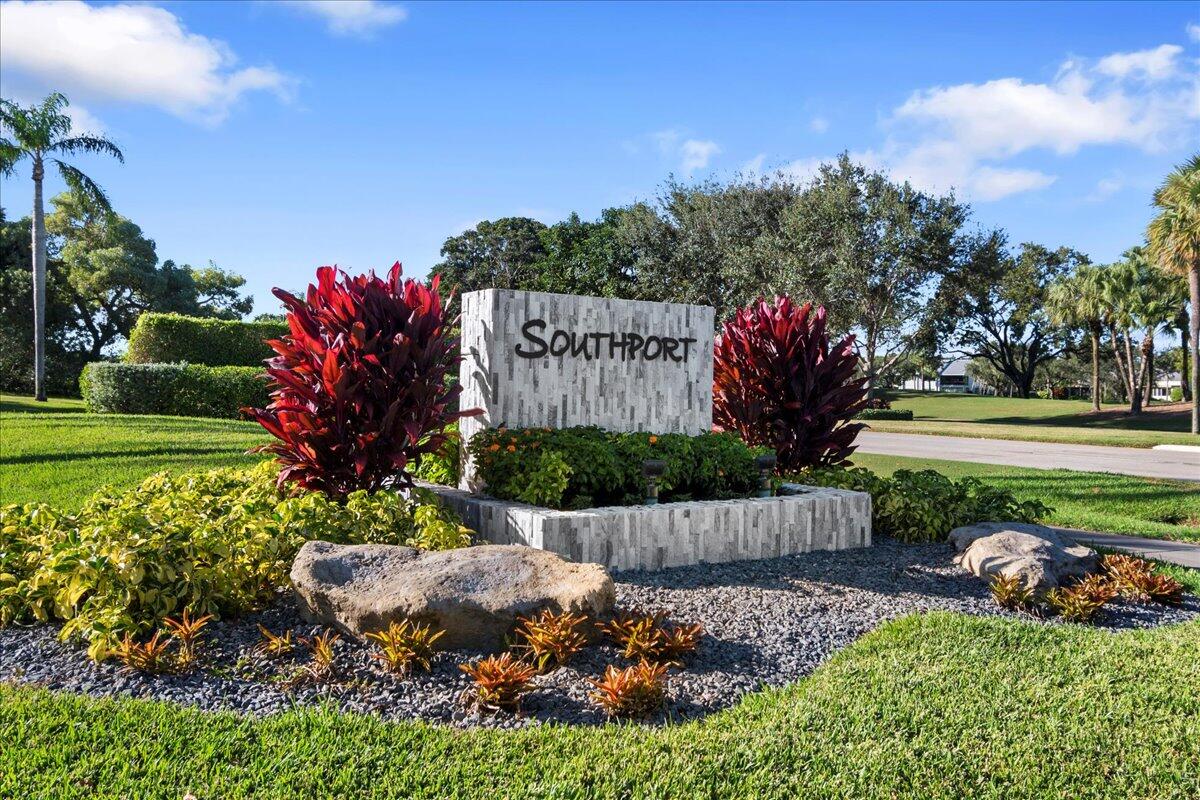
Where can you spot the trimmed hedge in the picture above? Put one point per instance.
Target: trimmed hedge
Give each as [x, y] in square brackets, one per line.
[885, 413]
[183, 390]
[588, 467]
[174, 338]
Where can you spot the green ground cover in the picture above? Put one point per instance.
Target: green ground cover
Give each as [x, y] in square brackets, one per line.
[935, 706]
[1094, 501]
[55, 453]
[1070, 421]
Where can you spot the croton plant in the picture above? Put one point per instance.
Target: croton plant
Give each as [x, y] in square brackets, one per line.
[359, 386]
[779, 383]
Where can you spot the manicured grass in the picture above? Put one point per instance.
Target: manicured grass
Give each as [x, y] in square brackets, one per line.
[1071, 421]
[1094, 501]
[54, 453]
[931, 706]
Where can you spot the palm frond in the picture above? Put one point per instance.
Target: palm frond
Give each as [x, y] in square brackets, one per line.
[10, 156]
[78, 182]
[87, 144]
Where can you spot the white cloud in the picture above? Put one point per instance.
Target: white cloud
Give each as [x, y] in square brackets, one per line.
[1193, 31]
[693, 154]
[1105, 188]
[83, 121]
[696, 154]
[818, 125]
[352, 17]
[1154, 65]
[128, 53]
[960, 136]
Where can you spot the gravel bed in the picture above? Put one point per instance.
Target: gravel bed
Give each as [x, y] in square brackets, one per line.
[766, 622]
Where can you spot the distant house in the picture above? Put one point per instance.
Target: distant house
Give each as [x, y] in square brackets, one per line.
[1164, 385]
[952, 377]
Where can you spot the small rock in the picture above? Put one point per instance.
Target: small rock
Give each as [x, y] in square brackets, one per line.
[474, 593]
[1039, 556]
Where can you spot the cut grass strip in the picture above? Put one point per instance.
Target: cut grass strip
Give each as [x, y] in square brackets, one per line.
[931, 706]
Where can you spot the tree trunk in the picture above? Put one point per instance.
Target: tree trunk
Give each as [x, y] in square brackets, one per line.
[1148, 357]
[39, 284]
[1135, 402]
[1185, 356]
[1194, 293]
[1095, 328]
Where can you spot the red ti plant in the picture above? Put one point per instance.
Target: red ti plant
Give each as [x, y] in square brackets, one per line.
[359, 388]
[777, 382]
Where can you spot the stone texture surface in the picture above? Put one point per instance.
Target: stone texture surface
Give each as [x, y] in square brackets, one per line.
[1040, 556]
[474, 593]
[675, 534]
[598, 387]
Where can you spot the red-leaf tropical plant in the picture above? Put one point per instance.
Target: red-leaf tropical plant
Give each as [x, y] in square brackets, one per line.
[359, 387]
[777, 382]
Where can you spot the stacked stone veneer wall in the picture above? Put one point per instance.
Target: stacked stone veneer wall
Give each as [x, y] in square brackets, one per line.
[664, 385]
[676, 534]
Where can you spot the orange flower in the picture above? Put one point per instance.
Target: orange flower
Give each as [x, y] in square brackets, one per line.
[653, 440]
[493, 447]
[512, 448]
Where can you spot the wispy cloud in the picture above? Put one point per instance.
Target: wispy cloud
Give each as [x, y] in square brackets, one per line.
[352, 17]
[128, 53]
[691, 154]
[818, 125]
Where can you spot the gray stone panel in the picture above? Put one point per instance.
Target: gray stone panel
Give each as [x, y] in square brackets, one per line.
[675, 534]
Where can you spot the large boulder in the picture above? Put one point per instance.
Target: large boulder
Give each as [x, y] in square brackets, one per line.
[474, 593]
[1039, 556]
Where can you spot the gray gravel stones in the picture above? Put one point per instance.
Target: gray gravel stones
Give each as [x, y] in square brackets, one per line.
[767, 623]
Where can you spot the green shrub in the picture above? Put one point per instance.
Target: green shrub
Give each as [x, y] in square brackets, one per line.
[184, 390]
[586, 467]
[1176, 394]
[172, 338]
[442, 466]
[885, 413]
[216, 542]
[925, 506]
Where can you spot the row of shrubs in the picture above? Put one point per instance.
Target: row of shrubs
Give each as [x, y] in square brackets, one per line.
[213, 542]
[885, 413]
[586, 466]
[173, 338]
[186, 390]
[925, 505]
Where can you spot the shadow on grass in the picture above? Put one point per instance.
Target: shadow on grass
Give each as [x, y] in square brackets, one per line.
[40, 458]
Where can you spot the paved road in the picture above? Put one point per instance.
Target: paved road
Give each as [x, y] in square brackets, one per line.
[1039, 455]
[1182, 553]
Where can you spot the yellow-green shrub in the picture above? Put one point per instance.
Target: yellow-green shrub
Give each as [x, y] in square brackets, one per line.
[215, 542]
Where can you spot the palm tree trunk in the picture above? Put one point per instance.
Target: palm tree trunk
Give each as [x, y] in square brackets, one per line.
[39, 284]
[1095, 329]
[1148, 356]
[1184, 359]
[1194, 293]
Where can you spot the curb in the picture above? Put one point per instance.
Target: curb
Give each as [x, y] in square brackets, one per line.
[1178, 448]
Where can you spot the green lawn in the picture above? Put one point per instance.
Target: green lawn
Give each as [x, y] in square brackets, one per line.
[54, 453]
[1095, 501]
[930, 706]
[1071, 421]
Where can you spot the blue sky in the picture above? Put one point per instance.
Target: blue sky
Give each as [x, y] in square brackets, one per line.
[272, 137]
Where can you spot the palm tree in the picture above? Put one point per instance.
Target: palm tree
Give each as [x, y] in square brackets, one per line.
[1174, 237]
[1078, 301]
[39, 133]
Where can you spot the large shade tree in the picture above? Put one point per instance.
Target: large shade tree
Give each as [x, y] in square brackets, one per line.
[42, 133]
[1174, 243]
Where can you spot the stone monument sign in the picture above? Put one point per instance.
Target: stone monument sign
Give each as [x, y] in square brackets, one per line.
[533, 359]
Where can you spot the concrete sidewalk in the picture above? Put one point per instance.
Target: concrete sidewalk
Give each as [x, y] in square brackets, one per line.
[1182, 553]
[1144, 462]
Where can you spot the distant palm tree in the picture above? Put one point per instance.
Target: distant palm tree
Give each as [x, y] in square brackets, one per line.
[1174, 237]
[1078, 301]
[39, 133]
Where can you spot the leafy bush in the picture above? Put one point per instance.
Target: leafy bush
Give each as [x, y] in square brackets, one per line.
[778, 382]
[878, 404]
[1176, 394]
[184, 390]
[172, 338]
[500, 682]
[404, 644]
[586, 467]
[631, 692]
[443, 465]
[885, 413]
[1136, 579]
[359, 382]
[925, 506]
[551, 638]
[214, 542]
[1010, 592]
